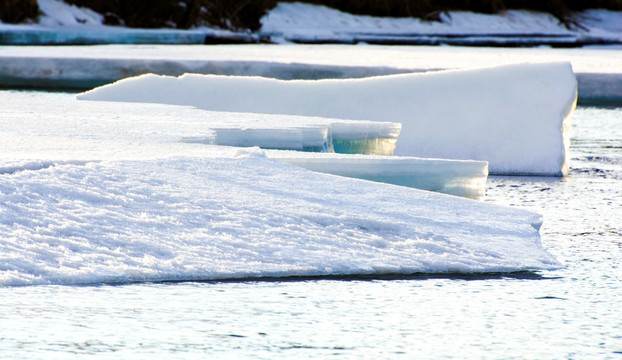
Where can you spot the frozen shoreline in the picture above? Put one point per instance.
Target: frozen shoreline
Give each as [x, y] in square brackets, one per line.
[84, 67]
[64, 24]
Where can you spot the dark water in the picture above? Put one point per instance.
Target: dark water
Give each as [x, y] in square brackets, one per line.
[572, 313]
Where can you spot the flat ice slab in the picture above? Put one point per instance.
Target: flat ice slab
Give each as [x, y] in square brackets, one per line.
[56, 125]
[202, 218]
[311, 134]
[516, 117]
[465, 178]
[94, 192]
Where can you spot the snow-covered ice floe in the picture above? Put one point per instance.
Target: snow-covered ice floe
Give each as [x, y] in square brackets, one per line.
[516, 117]
[247, 216]
[59, 128]
[94, 192]
[465, 178]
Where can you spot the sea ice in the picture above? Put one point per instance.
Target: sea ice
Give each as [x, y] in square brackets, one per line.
[56, 125]
[465, 178]
[516, 117]
[201, 218]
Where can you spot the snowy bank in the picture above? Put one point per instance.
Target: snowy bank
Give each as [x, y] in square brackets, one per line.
[63, 24]
[306, 23]
[515, 117]
[194, 218]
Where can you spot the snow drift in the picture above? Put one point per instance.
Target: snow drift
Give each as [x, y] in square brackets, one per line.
[516, 117]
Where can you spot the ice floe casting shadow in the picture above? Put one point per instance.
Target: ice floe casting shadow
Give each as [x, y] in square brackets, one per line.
[518, 275]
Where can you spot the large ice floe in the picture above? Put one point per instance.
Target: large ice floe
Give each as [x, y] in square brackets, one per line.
[94, 192]
[93, 130]
[192, 218]
[516, 117]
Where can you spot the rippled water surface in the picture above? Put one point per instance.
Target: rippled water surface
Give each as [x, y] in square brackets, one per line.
[569, 313]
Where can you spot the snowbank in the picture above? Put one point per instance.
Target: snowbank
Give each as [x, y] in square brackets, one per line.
[516, 117]
[190, 218]
[61, 23]
[307, 23]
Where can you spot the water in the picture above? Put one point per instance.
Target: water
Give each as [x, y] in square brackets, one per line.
[572, 313]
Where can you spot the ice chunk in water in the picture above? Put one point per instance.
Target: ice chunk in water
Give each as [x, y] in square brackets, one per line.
[465, 178]
[346, 137]
[516, 117]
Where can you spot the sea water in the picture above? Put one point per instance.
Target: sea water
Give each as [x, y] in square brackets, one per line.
[569, 313]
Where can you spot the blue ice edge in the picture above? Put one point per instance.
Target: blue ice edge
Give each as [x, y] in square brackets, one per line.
[245, 218]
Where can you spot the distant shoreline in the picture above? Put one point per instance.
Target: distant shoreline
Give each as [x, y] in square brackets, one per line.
[78, 68]
[64, 24]
[240, 15]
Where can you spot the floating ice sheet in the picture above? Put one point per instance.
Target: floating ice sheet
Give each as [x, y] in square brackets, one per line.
[516, 117]
[194, 218]
[55, 125]
[457, 177]
[327, 135]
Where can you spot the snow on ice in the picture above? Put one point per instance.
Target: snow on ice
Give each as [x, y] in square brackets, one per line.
[192, 218]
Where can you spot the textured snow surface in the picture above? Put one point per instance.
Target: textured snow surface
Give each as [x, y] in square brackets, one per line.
[248, 216]
[514, 116]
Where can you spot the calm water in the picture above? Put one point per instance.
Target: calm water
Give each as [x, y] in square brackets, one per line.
[571, 313]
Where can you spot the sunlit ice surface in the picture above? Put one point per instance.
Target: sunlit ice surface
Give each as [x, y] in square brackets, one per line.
[519, 129]
[565, 313]
[120, 200]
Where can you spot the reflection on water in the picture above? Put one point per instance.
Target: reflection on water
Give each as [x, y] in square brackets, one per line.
[568, 313]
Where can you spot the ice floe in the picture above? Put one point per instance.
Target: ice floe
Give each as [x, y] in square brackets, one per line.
[516, 117]
[193, 218]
